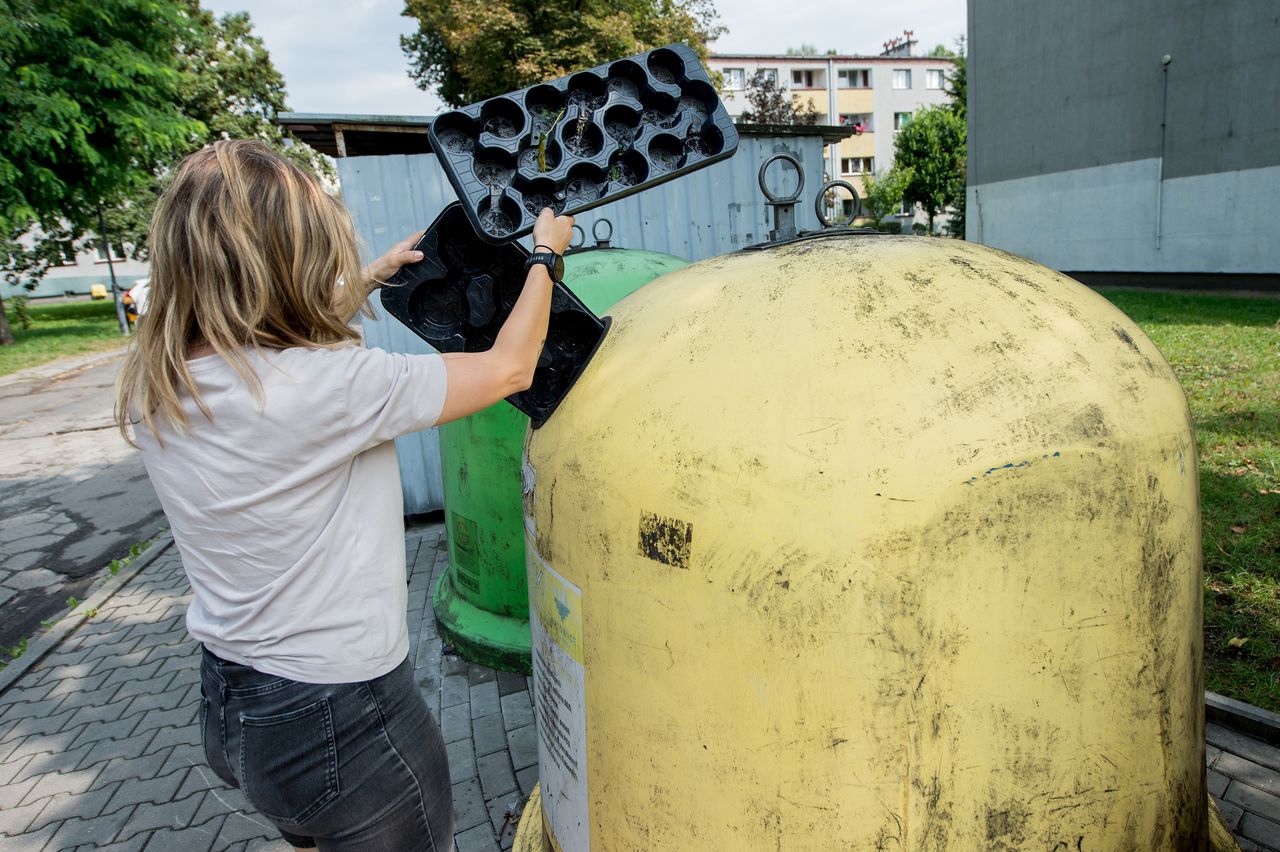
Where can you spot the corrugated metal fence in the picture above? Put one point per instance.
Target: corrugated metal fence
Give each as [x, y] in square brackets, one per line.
[716, 210]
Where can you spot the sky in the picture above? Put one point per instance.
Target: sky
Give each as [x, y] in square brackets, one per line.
[343, 56]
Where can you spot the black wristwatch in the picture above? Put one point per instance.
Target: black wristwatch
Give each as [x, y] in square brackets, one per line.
[552, 261]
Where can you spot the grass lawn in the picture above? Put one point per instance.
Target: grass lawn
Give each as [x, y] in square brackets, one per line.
[1226, 351]
[58, 330]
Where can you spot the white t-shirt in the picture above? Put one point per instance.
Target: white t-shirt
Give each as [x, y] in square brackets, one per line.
[288, 512]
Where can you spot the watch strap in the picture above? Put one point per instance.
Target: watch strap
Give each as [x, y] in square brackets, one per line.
[548, 259]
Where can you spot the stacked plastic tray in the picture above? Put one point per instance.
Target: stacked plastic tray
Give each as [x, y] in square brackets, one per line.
[571, 144]
[462, 291]
[583, 140]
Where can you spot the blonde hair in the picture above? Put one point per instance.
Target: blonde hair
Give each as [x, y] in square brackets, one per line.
[246, 253]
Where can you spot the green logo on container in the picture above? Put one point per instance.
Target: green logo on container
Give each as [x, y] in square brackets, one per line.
[466, 544]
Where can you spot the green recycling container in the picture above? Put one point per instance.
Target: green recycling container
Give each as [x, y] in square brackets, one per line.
[481, 603]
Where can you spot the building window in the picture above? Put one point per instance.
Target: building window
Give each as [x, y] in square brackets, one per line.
[906, 208]
[735, 78]
[66, 254]
[859, 121]
[807, 78]
[857, 165]
[102, 254]
[854, 78]
[902, 78]
[901, 120]
[933, 78]
[770, 74]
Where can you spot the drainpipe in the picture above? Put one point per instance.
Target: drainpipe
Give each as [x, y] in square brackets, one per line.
[1164, 114]
[833, 117]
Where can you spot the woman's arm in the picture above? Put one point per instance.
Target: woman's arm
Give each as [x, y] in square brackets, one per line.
[374, 275]
[479, 379]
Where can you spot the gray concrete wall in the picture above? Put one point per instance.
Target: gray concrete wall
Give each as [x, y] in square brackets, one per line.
[1065, 140]
[1061, 86]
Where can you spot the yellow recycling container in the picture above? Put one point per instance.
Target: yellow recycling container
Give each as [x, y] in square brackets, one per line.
[868, 542]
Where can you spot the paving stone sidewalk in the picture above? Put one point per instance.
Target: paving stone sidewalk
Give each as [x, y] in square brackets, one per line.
[99, 748]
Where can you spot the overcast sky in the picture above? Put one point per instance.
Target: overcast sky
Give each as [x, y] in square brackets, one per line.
[343, 56]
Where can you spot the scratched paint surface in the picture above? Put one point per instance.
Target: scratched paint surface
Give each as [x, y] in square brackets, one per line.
[944, 586]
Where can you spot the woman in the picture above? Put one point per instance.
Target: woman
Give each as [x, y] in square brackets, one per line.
[267, 432]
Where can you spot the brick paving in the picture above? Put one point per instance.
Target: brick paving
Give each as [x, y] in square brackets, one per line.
[99, 748]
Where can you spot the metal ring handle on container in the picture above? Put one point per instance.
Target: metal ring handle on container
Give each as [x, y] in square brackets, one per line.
[578, 232]
[601, 242]
[818, 205]
[795, 164]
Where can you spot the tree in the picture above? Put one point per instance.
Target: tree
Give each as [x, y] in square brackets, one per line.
[226, 88]
[470, 51]
[957, 82]
[231, 87]
[773, 105]
[931, 151]
[87, 108]
[883, 193]
[957, 89]
[802, 50]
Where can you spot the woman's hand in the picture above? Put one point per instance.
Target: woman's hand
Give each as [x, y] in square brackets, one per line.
[389, 264]
[552, 231]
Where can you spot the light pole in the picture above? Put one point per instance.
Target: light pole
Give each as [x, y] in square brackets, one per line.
[115, 288]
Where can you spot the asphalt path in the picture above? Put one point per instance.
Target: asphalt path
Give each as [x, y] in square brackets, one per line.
[73, 493]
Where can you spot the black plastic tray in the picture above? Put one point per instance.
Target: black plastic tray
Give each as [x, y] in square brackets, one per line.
[457, 297]
[583, 140]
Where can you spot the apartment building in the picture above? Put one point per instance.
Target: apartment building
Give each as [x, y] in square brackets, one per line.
[78, 271]
[876, 93]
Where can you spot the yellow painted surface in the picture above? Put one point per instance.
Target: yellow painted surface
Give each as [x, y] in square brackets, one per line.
[926, 569]
[529, 834]
[855, 100]
[859, 146]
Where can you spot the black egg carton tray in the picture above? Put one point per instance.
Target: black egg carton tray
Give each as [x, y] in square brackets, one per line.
[458, 296]
[583, 140]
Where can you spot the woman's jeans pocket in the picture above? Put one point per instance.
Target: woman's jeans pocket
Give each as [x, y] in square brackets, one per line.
[289, 762]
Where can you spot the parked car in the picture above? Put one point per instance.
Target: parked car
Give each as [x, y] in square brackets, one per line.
[135, 299]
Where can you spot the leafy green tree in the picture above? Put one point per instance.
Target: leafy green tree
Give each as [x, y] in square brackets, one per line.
[773, 105]
[957, 82]
[802, 50]
[957, 89]
[469, 51]
[931, 151]
[88, 107]
[225, 86]
[883, 193]
[231, 87]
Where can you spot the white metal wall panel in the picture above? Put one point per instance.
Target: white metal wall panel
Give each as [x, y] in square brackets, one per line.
[389, 198]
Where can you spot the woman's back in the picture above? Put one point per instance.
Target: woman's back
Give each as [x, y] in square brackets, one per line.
[289, 513]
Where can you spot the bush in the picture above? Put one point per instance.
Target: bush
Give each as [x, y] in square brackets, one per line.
[889, 227]
[21, 310]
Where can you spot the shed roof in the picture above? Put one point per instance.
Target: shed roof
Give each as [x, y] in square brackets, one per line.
[365, 135]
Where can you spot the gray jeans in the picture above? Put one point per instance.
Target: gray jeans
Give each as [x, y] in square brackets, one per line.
[342, 766]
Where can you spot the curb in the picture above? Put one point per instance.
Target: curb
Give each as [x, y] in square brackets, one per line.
[61, 366]
[41, 647]
[1244, 718]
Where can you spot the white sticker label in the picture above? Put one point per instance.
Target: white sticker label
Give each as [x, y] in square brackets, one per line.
[559, 687]
[528, 482]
